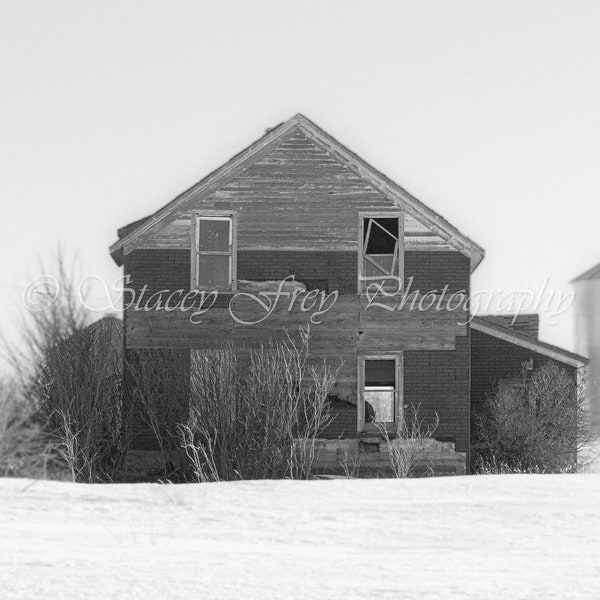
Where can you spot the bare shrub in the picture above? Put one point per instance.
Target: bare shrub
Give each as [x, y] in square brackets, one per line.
[80, 394]
[70, 374]
[350, 462]
[408, 447]
[541, 425]
[308, 388]
[25, 451]
[55, 312]
[256, 414]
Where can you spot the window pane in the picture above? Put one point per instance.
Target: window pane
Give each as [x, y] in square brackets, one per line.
[382, 235]
[213, 235]
[379, 405]
[385, 262]
[380, 372]
[213, 270]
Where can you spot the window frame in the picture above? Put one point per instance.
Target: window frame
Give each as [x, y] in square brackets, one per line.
[392, 427]
[214, 215]
[362, 215]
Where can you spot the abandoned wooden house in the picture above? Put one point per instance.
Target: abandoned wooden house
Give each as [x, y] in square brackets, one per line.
[348, 244]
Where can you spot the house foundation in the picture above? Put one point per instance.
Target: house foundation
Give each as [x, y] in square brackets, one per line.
[378, 457]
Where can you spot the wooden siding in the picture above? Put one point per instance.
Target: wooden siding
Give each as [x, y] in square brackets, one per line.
[347, 329]
[296, 197]
[329, 271]
[437, 383]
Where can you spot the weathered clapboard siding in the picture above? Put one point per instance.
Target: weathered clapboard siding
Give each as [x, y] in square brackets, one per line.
[297, 197]
[348, 321]
[437, 383]
[329, 271]
[347, 329]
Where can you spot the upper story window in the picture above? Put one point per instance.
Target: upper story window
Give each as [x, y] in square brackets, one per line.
[381, 250]
[214, 251]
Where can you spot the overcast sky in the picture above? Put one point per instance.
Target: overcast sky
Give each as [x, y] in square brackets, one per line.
[488, 112]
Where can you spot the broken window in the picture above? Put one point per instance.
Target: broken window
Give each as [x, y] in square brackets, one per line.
[379, 393]
[214, 257]
[381, 252]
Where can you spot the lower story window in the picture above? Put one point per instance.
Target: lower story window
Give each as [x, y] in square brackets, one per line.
[379, 392]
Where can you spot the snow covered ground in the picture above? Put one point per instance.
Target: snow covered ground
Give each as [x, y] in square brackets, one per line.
[503, 536]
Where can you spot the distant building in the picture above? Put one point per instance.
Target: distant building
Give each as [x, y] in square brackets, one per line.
[587, 332]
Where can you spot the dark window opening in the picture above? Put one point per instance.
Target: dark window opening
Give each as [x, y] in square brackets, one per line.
[381, 249]
[381, 236]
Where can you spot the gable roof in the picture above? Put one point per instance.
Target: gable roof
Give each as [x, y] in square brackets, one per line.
[491, 327]
[135, 233]
[593, 273]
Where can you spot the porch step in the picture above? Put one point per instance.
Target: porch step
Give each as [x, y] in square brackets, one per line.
[374, 457]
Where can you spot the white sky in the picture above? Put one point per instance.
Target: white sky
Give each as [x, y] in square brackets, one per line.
[486, 111]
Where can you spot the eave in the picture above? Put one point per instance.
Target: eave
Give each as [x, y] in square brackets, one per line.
[524, 341]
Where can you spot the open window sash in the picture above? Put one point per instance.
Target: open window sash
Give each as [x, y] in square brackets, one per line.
[381, 252]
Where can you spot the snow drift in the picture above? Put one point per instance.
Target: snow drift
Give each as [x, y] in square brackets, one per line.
[505, 536]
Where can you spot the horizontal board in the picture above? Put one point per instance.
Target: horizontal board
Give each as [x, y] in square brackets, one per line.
[343, 329]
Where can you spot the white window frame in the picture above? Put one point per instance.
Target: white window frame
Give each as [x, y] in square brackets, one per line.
[230, 216]
[394, 427]
[363, 285]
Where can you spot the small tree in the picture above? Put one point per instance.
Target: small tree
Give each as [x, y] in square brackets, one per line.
[540, 425]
